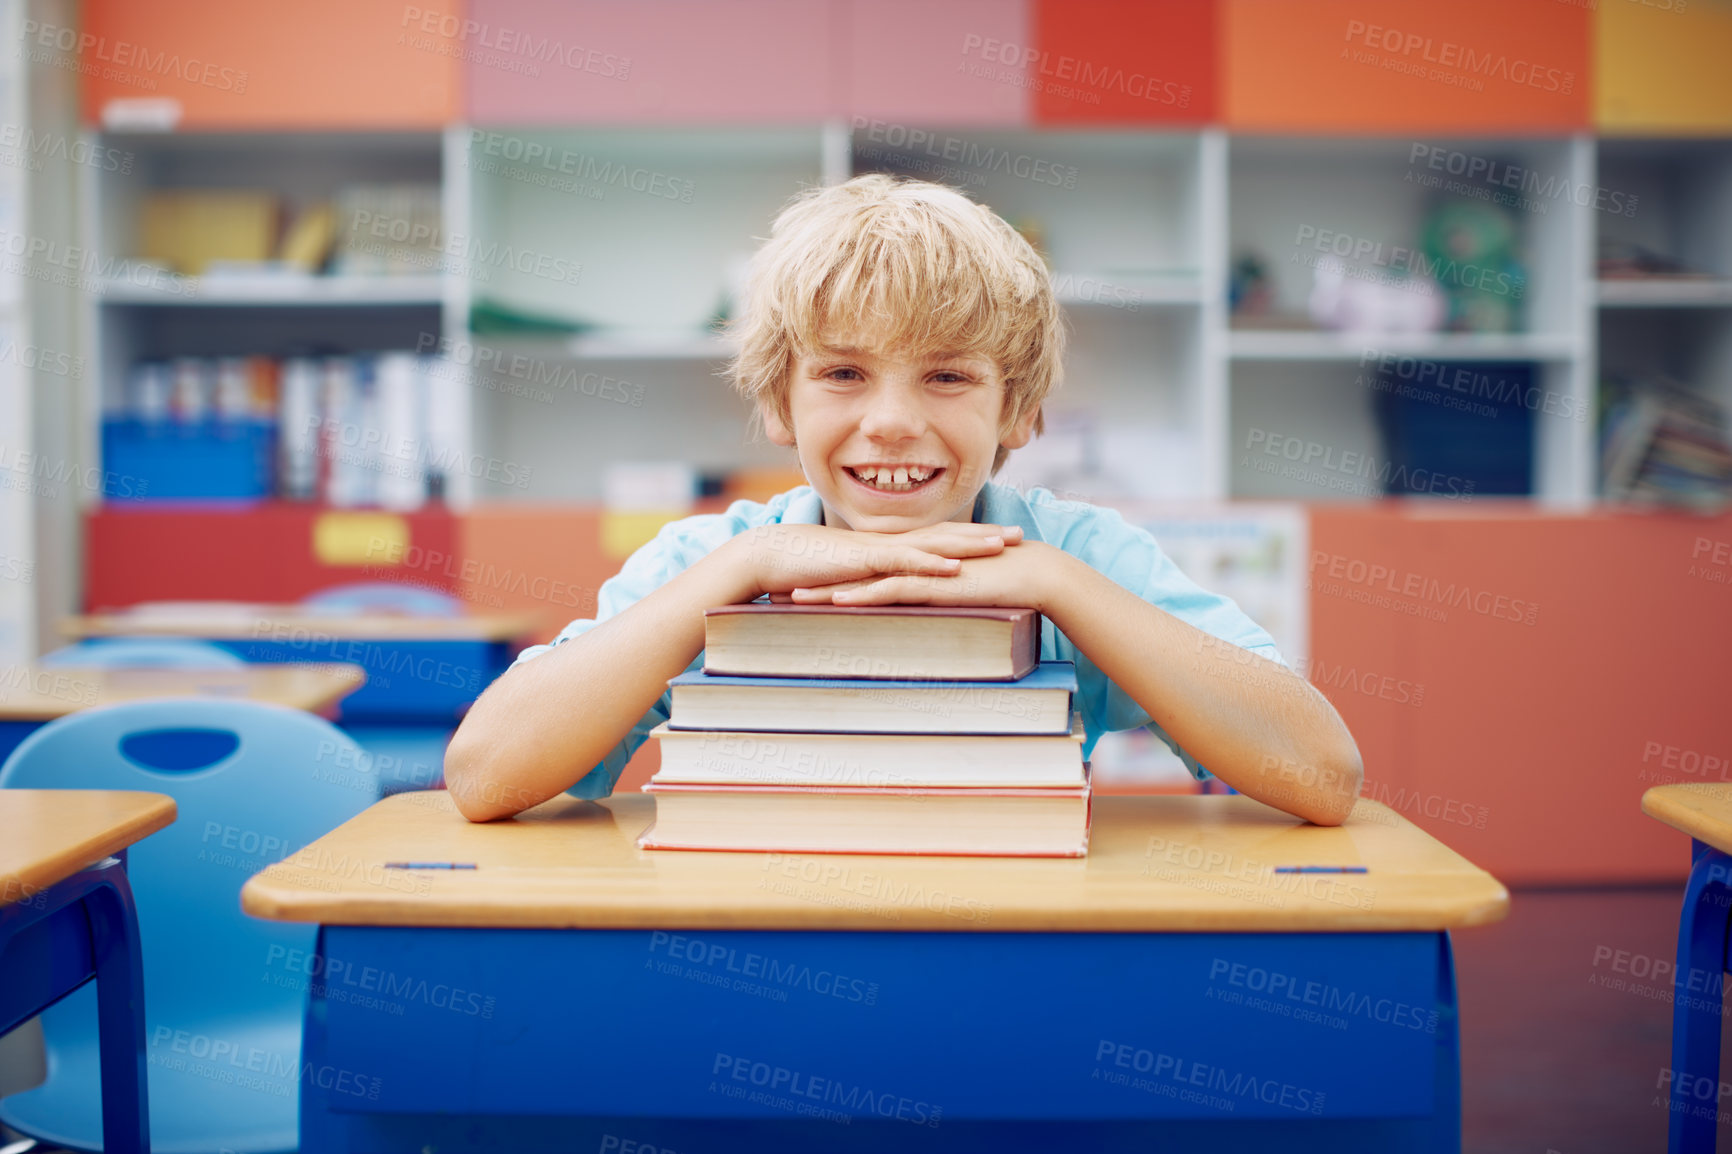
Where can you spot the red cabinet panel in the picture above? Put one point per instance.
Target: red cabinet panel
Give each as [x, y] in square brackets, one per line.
[255, 554]
[1126, 62]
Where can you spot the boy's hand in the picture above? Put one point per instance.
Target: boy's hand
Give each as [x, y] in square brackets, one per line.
[782, 558]
[1019, 576]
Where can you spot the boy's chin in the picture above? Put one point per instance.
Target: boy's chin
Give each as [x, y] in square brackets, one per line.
[861, 521]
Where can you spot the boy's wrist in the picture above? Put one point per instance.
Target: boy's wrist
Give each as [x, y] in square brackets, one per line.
[736, 562]
[1054, 575]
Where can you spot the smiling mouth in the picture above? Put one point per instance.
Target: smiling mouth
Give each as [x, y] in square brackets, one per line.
[894, 478]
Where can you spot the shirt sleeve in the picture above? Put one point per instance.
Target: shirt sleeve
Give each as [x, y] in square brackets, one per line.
[646, 570]
[1129, 556]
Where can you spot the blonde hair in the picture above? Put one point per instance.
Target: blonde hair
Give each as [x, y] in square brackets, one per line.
[919, 263]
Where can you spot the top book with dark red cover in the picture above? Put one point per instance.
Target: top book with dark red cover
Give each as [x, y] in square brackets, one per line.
[888, 642]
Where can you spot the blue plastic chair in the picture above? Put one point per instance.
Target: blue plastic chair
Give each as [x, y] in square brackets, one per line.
[224, 993]
[383, 597]
[142, 653]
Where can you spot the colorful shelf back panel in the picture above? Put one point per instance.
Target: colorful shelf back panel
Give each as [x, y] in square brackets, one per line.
[1125, 62]
[313, 64]
[915, 63]
[1664, 67]
[1471, 66]
[670, 62]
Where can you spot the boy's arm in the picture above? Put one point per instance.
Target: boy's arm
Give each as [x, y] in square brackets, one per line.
[548, 721]
[1259, 727]
[1262, 729]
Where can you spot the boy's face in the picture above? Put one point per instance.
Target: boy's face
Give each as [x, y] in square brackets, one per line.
[891, 441]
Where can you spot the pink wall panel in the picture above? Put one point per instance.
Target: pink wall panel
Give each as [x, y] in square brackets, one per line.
[656, 61]
[923, 63]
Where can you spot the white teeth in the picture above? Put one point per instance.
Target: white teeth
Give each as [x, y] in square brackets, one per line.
[893, 478]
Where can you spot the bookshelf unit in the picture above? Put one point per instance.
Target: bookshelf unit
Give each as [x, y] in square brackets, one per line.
[1679, 326]
[1141, 229]
[134, 313]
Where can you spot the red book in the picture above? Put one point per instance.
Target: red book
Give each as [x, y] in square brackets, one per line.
[879, 642]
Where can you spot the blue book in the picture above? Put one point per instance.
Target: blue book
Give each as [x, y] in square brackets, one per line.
[1039, 703]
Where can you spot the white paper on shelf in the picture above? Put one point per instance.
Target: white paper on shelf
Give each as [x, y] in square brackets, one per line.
[642, 486]
[299, 429]
[401, 408]
[448, 451]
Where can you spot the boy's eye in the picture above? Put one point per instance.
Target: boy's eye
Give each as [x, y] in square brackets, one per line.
[843, 374]
[950, 380]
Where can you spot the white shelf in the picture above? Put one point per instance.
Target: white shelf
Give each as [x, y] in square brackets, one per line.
[205, 292]
[1282, 345]
[628, 345]
[1660, 294]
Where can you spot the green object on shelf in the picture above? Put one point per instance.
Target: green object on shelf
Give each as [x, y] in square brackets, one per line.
[490, 318]
[1471, 249]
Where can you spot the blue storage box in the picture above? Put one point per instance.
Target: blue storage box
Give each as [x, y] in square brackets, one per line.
[1460, 429]
[221, 460]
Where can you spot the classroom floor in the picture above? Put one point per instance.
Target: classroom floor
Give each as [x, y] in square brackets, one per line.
[1552, 1061]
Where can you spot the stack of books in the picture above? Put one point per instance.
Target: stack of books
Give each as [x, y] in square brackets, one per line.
[1666, 444]
[890, 729]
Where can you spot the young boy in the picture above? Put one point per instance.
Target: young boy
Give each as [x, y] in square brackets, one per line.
[900, 339]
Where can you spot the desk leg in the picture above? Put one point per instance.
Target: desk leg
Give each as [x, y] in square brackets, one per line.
[119, 1013]
[1702, 933]
[1446, 1132]
[55, 941]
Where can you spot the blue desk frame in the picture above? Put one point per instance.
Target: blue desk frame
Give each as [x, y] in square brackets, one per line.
[52, 942]
[1702, 954]
[541, 1040]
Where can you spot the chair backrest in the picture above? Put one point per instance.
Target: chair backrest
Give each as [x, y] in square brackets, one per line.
[253, 783]
[142, 653]
[383, 597]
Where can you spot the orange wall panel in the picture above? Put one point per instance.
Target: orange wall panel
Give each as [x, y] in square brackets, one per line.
[1130, 62]
[1535, 741]
[337, 64]
[1419, 66]
[1358, 659]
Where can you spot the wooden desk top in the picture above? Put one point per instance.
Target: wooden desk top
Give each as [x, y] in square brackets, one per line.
[242, 622]
[47, 835]
[1155, 863]
[1704, 811]
[39, 693]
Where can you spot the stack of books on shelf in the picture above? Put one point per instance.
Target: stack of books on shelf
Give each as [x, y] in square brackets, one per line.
[1666, 444]
[887, 729]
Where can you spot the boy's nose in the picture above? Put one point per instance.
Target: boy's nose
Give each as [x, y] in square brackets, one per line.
[891, 415]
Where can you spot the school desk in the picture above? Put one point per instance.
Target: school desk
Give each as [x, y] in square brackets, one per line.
[420, 670]
[31, 696]
[571, 991]
[66, 917]
[1705, 813]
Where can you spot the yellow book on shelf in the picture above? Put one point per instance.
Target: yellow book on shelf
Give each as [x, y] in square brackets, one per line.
[189, 230]
[308, 242]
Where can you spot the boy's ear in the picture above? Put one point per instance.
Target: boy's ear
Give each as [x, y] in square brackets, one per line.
[774, 428]
[1022, 431]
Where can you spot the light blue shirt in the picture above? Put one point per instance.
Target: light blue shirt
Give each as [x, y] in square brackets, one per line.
[1099, 537]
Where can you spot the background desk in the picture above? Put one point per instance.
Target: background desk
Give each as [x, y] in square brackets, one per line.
[1170, 979]
[1704, 811]
[422, 672]
[66, 917]
[32, 696]
[417, 667]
